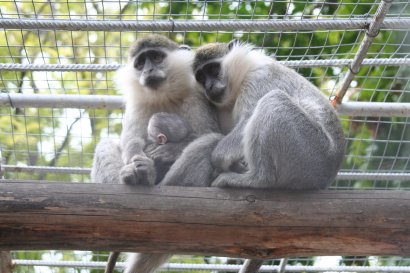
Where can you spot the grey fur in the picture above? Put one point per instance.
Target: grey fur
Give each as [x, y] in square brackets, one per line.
[145, 263]
[276, 121]
[171, 126]
[194, 168]
[169, 134]
[125, 161]
[284, 128]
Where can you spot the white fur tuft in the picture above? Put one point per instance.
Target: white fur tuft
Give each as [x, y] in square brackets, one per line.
[237, 64]
[180, 81]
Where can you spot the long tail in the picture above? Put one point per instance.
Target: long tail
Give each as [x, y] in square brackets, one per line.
[112, 260]
[251, 266]
[145, 263]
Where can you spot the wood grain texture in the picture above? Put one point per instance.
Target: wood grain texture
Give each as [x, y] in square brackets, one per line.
[207, 221]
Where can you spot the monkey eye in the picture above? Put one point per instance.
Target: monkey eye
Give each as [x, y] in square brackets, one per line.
[140, 62]
[213, 69]
[200, 76]
[157, 57]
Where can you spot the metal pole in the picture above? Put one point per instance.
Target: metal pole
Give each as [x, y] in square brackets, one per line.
[113, 67]
[358, 109]
[345, 175]
[371, 33]
[198, 25]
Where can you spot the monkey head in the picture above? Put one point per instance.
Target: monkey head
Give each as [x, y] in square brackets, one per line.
[209, 72]
[150, 57]
[166, 127]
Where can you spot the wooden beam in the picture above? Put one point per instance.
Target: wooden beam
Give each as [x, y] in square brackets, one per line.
[207, 221]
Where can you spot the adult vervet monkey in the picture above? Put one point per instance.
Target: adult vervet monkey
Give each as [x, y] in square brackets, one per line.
[280, 124]
[157, 78]
[277, 121]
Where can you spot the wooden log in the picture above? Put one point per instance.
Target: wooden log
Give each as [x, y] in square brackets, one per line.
[207, 221]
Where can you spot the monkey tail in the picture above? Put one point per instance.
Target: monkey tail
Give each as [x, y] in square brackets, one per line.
[112, 260]
[145, 263]
[251, 266]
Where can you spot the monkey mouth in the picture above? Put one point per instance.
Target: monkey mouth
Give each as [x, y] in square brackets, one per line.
[154, 82]
[215, 96]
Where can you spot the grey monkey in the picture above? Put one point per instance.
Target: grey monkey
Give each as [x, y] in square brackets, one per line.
[163, 129]
[285, 129]
[167, 129]
[274, 119]
[157, 78]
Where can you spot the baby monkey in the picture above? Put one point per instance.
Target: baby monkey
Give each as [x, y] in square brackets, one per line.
[166, 129]
[163, 129]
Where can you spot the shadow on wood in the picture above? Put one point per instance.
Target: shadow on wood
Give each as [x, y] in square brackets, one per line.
[206, 221]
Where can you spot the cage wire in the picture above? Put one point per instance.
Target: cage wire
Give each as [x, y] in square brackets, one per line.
[57, 100]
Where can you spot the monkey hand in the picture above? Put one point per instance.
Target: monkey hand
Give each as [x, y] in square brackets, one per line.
[140, 171]
[225, 180]
[239, 166]
[235, 180]
[227, 157]
[166, 153]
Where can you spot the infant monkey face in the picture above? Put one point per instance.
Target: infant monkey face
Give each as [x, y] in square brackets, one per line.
[166, 127]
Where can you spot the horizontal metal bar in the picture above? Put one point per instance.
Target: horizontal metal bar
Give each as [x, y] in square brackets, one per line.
[59, 67]
[381, 176]
[358, 109]
[60, 101]
[374, 109]
[113, 67]
[44, 169]
[345, 62]
[199, 25]
[219, 267]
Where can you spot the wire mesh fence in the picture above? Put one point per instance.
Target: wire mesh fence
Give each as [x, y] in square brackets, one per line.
[74, 47]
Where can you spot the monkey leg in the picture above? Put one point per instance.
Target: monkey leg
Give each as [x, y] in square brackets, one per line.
[112, 260]
[193, 168]
[284, 148]
[107, 162]
[145, 263]
[251, 266]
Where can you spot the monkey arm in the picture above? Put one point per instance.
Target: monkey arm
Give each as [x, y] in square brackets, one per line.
[166, 153]
[200, 114]
[138, 168]
[229, 150]
[133, 136]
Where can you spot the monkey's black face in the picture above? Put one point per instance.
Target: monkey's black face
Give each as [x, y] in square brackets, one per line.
[210, 77]
[151, 68]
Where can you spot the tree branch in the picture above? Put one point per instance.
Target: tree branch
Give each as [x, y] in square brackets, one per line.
[53, 161]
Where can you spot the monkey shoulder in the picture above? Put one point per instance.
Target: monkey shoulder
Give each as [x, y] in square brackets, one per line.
[200, 113]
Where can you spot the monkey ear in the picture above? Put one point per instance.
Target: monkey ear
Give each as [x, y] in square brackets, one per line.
[161, 139]
[233, 43]
[184, 47]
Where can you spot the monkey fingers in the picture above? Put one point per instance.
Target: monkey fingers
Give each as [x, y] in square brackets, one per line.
[225, 180]
[166, 153]
[222, 181]
[140, 171]
[239, 166]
